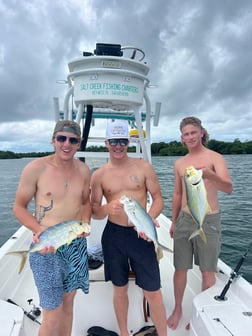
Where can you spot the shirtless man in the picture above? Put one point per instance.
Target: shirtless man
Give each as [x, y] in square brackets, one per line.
[216, 178]
[121, 245]
[60, 186]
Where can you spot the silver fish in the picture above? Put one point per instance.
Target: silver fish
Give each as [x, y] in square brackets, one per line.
[142, 221]
[196, 197]
[56, 236]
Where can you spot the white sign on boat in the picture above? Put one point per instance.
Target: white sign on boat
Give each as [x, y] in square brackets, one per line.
[108, 81]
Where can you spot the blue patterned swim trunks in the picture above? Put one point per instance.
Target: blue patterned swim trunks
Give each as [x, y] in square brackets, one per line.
[60, 272]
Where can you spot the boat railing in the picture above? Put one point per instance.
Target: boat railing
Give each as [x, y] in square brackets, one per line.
[102, 155]
[105, 155]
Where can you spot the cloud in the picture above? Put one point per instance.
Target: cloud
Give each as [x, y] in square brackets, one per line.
[199, 54]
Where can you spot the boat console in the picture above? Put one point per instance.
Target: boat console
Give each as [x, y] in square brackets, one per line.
[107, 84]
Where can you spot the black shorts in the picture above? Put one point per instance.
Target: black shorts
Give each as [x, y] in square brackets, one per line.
[124, 250]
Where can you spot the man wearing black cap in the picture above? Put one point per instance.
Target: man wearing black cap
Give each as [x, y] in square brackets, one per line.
[59, 185]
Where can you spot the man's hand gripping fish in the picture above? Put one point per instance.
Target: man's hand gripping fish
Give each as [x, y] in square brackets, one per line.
[56, 236]
[142, 222]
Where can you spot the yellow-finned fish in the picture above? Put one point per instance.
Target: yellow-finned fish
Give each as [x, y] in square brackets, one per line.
[56, 236]
[142, 221]
[196, 197]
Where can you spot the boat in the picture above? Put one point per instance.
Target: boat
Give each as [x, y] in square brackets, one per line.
[112, 83]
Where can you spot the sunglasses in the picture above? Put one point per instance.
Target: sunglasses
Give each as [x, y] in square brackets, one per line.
[63, 138]
[114, 142]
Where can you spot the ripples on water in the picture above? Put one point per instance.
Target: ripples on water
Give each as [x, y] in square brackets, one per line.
[236, 208]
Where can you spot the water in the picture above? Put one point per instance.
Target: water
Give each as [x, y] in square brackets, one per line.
[236, 208]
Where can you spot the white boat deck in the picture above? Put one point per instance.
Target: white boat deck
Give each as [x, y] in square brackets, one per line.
[96, 308]
[232, 316]
[206, 315]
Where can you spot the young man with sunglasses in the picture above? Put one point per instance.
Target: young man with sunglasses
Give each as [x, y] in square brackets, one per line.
[59, 185]
[122, 248]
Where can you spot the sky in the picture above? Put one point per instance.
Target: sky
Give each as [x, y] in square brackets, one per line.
[199, 53]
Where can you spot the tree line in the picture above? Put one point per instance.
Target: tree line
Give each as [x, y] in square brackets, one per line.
[173, 148]
[176, 148]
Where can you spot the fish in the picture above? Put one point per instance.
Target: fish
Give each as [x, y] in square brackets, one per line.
[196, 197]
[56, 236]
[142, 222]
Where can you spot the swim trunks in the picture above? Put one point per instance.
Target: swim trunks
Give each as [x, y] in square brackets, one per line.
[205, 254]
[124, 250]
[60, 272]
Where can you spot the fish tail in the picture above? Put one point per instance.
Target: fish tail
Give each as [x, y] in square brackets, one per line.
[208, 208]
[199, 232]
[159, 248]
[164, 248]
[203, 236]
[159, 253]
[23, 255]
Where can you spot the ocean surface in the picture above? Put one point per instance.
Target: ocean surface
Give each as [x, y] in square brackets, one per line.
[236, 209]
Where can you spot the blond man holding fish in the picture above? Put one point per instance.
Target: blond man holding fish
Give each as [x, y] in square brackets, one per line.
[119, 180]
[59, 185]
[196, 229]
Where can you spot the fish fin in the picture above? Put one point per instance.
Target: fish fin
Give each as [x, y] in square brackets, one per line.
[23, 255]
[199, 232]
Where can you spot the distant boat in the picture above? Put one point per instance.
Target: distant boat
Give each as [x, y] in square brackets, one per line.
[110, 84]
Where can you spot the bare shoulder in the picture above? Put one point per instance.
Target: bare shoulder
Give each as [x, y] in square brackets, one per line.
[33, 170]
[97, 173]
[81, 166]
[141, 163]
[37, 164]
[214, 158]
[182, 161]
[145, 169]
[214, 153]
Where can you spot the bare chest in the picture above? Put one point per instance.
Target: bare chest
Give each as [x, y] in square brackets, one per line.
[122, 181]
[57, 185]
[198, 162]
